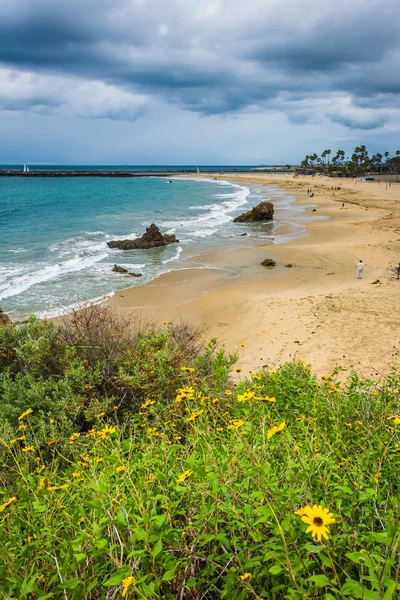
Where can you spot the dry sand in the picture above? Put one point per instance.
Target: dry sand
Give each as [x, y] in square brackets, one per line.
[317, 311]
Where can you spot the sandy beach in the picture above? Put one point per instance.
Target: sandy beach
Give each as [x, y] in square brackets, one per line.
[317, 311]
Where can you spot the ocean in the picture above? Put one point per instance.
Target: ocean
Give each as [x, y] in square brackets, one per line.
[54, 232]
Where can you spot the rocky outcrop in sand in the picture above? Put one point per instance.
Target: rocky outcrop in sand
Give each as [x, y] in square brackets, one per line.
[262, 212]
[268, 262]
[4, 319]
[118, 269]
[153, 238]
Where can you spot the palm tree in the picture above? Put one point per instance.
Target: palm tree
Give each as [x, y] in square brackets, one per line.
[328, 152]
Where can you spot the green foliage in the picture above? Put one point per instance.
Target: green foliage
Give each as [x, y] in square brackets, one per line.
[194, 495]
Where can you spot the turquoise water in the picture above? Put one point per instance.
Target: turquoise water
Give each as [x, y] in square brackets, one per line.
[54, 233]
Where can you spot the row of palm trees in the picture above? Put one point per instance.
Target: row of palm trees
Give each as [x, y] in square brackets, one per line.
[360, 162]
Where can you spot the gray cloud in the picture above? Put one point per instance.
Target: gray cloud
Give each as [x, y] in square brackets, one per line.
[210, 57]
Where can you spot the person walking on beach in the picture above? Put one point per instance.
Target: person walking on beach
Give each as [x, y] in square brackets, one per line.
[360, 268]
[398, 271]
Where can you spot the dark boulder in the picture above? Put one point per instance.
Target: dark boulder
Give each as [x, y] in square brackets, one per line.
[4, 319]
[262, 212]
[118, 269]
[153, 238]
[268, 262]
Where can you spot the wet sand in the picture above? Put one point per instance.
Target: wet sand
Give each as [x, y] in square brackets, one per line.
[316, 311]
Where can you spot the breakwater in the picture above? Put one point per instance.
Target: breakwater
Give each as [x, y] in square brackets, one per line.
[90, 173]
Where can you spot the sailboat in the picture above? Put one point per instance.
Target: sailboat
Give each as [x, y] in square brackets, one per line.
[198, 170]
[26, 169]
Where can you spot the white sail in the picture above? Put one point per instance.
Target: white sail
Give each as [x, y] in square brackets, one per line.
[27, 169]
[198, 170]
[24, 168]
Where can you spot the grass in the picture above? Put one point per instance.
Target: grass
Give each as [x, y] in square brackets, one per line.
[193, 493]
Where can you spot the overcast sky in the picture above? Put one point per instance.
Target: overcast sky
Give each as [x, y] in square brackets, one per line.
[196, 82]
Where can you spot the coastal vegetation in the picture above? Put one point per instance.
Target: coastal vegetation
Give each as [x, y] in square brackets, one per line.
[359, 163]
[138, 463]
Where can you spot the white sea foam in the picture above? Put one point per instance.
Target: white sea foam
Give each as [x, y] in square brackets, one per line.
[64, 310]
[21, 282]
[175, 257]
[17, 250]
[216, 214]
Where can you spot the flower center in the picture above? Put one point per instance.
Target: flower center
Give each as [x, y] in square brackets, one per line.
[318, 521]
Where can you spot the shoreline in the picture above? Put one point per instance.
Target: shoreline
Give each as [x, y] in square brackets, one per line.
[316, 311]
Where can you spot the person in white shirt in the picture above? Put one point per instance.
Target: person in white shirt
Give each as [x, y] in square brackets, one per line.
[360, 268]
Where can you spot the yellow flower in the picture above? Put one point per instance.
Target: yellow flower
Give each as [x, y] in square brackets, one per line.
[275, 430]
[194, 415]
[53, 488]
[25, 414]
[235, 424]
[184, 476]
[148, 403]
[266, 398]
[238, 369]
[21, 427]
[241, 345]
[187, 369]
[18, 439]
[126, 584]
[9, 501]
[245, 576]
[107, 430]
[272, 372]
[74, 436]
[246, 396]
[101, 414]
[396, 420]
[220, 428]
[120, 469]
[42, 483]
[228, 392]
[164, 323]
[28, 449]
[76, 474]
[317, 518]
[52, 421]
[51, 442]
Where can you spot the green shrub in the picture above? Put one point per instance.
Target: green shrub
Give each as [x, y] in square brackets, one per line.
[195, 496]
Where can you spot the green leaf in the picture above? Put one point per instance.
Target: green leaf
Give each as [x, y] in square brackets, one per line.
[169, 575]
[352, 588]
[312, 548]
[140, 534]
[157, 548]
[191, 582]
[69, 584]
[80, 557]
[101, 543]
[319, 580]
[275, 569]
[117, 578]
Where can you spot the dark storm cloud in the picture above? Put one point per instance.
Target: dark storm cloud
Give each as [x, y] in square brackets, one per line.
[210, 56]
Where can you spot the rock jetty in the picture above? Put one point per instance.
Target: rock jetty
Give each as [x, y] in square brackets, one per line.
[262, 212]
[153, 238]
